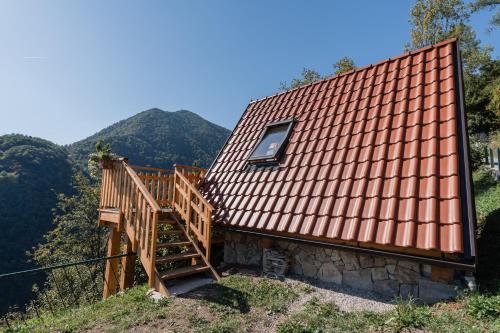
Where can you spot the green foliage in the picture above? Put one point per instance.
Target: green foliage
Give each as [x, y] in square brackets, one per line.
[240, 292]
[477, 152]
[158, 138]
[307, 76]
[483, 307]
[343, 65]
[32, 173]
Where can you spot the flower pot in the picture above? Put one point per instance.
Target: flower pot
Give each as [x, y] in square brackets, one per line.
[106, 164]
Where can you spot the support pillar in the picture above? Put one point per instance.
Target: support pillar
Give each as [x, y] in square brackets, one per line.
[128, 266]
[111, 271]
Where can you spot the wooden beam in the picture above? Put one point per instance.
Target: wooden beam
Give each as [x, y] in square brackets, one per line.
[111, 272]
[128, 266]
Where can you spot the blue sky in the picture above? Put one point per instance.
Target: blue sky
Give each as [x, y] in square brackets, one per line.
[70, 68]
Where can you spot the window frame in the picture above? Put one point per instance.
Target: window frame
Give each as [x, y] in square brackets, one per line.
[277, 155]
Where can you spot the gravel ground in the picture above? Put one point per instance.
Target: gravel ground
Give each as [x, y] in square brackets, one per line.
[347, 299]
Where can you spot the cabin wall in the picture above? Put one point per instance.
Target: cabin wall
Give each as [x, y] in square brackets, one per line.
[385, 276]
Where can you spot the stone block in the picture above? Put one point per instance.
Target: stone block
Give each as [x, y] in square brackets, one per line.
[426, 270]
[350, 260]
[320, 255]
[366, 261]
[229, 254]
[309, 269]
[431, 292]
[379, 273]
[336, 255]
[330, 273]
[386, 287]
[406, 275]
[360, 279]
[379, 262]
[390, 268]
[408, 290]
[410, 265]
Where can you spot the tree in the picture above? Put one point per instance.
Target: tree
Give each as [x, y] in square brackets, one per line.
[433, 21]
[491, 5]
[343, 65]
[308, 76]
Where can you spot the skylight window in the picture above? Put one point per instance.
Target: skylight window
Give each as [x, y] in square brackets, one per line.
[272, 142]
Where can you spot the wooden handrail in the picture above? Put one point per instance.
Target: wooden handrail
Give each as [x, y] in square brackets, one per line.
[137, 167]
[194, 189]
[194, 209]
[183, 166]
[142, 188]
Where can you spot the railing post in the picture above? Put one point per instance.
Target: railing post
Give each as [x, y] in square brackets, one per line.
[154, 236]
[208, 249]
[111, 264]
[188, 221]
[128, 266]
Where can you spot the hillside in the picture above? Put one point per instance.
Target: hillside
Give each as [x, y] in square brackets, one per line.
[158, 138]
[32, 173]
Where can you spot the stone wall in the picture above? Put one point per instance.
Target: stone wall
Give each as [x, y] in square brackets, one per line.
[386, 276]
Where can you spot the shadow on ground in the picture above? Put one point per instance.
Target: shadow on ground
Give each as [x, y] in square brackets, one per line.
[488, 245]
[222, 295]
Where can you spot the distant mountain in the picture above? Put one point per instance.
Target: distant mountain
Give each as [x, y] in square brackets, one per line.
[32, 174]
[158, 138]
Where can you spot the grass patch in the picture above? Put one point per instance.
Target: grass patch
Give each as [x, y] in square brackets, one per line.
[118, 312]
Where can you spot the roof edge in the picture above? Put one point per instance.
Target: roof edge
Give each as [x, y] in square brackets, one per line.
[425, 48]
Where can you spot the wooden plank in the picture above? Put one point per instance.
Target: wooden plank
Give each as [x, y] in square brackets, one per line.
[184, 271]
[128, 266]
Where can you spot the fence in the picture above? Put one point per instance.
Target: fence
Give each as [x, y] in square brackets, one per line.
[62, 286]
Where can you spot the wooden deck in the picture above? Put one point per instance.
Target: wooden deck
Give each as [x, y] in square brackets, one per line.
[162, 218]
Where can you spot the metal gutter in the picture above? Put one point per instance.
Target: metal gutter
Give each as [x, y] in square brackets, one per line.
[464, 266]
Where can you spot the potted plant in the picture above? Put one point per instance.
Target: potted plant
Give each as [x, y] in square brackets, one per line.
[102, 155]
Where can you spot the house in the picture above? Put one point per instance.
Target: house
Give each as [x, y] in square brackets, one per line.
[363, 177]
[360, 179]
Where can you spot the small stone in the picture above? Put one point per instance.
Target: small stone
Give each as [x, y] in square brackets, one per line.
[410, 265]
[330, 273]
[406, 275]
[292, 246]
[408, 290]
[386, 287]
[328, 252]
[390, 268]
[366, 261]
[350, 260]
[361, 279]
[379, 262]
[379, 273]
[431, 292]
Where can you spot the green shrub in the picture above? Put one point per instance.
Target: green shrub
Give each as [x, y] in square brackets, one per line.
[477, 152]
[483, 306]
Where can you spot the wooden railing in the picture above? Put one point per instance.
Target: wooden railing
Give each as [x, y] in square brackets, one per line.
[158, 182]
[193, 208]
[124, 190]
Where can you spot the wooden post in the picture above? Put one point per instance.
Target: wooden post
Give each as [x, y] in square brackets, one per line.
[128, 266]
[111, 272]
[492, 159]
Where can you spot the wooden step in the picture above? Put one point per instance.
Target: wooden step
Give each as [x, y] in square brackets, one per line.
[184, 271]
[173, 244]
[176, 257]
[170, 232]
[167, 221]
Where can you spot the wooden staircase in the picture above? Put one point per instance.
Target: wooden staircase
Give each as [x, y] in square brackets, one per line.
[163, 218]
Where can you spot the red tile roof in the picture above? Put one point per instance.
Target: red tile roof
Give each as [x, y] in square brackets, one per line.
[373, 158]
